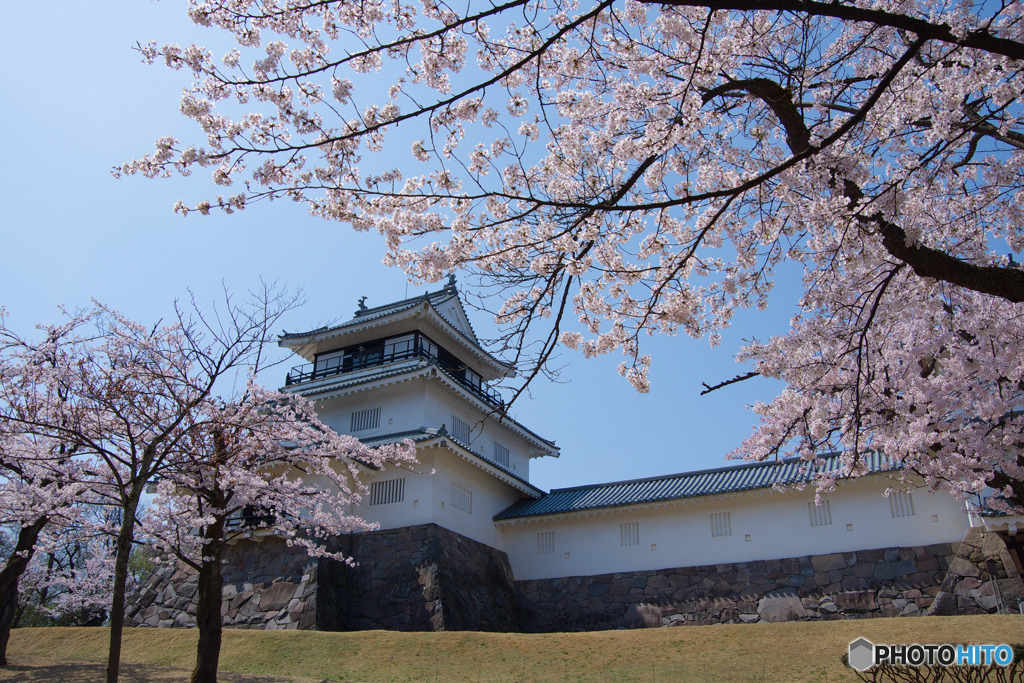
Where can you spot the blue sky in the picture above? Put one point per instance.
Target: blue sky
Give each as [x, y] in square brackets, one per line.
[79, 101]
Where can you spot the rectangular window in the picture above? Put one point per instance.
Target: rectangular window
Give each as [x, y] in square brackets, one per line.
[721, 524]
[428, 347]
[397, 348]
[901, 504]
[460, 430]
[329, 361]
[629, 533]
[365, 419]
[473, 378]
[462, 498]
[821, 515]
[500, 455]
[545, 542]
[387, 492]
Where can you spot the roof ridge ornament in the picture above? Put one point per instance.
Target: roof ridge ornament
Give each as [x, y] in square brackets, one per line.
[362, 305]
[451, 281]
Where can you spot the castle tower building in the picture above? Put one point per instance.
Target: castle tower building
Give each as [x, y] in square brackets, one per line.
[414, 369]
[466, 542]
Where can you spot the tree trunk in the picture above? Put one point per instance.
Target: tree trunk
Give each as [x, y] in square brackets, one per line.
[121, 557]
[16, 565]
[208, 618]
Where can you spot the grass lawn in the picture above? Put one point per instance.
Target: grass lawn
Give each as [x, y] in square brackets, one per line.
[793, 651]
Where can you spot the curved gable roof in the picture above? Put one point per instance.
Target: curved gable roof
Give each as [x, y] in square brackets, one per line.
[444, 303]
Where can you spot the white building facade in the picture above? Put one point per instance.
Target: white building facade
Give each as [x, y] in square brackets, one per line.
[415, 369]
[466, 542]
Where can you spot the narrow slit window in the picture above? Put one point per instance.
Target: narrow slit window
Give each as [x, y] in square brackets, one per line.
[545, 542]
[721, 524]
[387, 492]
[365, 419]
[500, 454]
[462, 498]
[901, 504]
[629, 533]
[821, 515]
[460, 430]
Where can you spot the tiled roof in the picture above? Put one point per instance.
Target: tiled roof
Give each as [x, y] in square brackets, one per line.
[506, 417]
[685, 485]
[435, 299]
[343, 381]
[415, 435]
[362, 316]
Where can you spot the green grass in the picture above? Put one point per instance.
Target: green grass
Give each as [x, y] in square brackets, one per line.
[794, 651]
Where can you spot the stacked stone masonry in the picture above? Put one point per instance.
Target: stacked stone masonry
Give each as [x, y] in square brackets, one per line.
[868, 583]
[426, 578]
[422, 578]
[267, 585]
[981, 577]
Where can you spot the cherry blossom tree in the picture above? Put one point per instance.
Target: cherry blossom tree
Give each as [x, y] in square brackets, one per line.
[37, 495]
[265, 451]
[40, 482]
[69, 580]
[646, 167]
[129, 396]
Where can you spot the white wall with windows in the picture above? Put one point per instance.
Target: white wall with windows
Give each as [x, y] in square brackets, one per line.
[442, 489]
[385, 410]
[482, 430]
[757, 525]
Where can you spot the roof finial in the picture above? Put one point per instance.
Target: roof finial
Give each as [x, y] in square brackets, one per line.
[451, 281]
[362, 305]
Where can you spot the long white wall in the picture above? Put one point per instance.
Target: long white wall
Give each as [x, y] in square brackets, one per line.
[763, 524]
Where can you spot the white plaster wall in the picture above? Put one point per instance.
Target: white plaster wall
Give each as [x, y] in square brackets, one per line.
[489, 497]
[428, 497]
[417, 506]
[778, 525]
[401, 404]
[441, 404]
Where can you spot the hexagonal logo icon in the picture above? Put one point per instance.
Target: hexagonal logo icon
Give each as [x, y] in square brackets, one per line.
[862, 654]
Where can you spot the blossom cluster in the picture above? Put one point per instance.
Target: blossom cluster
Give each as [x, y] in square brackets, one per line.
[646, 167]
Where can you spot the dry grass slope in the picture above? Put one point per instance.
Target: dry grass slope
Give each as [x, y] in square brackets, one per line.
[796, 651]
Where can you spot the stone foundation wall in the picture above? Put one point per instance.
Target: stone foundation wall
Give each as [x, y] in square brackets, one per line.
[426, 578]
[868, 583]
[422, 578]
[267, 585]
[982, 578]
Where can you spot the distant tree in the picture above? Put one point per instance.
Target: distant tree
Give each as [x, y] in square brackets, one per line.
[69, 580]
[264, 451]
[646, 167]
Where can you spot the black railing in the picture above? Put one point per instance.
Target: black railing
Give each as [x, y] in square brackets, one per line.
[251, 518]
[309, 372]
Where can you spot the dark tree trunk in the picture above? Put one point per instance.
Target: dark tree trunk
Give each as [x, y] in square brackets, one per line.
[121, 557]
[211, 584]
[16, 565]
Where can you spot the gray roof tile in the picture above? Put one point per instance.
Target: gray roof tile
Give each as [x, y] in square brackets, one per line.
[438, 297]
[711, 482]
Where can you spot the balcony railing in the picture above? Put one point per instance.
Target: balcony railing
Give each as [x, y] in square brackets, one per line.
[250, 518]
[309, 372]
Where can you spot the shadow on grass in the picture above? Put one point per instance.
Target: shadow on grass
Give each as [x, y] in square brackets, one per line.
[130, 673]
